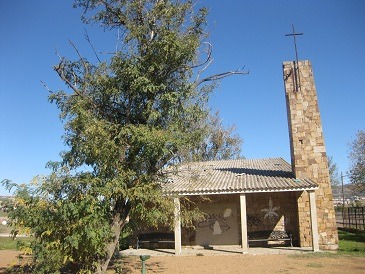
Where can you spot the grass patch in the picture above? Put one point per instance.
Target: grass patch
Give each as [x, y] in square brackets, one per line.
[7, 243]
[3, 214]
[352, 242]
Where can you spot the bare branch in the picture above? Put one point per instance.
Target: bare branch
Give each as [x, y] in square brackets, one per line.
[89, 41]
[59, 69]
[207, 63]
[209, 51]
[203, 69]
[47, 88]
[81, 58]
[59, 56]
[219, 76]
[107, 52]
[118, 39]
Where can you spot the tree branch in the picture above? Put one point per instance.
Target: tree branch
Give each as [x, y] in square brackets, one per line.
[209, 51]
[81, 58]
[110, 9]
[203, 69]
[219, 76]
[47, 88]
[89, 41]
[60, 71]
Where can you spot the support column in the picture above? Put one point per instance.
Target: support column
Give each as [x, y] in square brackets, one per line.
[177, 227]
[314, 226]
[243, 223]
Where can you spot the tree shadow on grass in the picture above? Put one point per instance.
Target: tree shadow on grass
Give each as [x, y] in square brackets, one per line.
[351, 235]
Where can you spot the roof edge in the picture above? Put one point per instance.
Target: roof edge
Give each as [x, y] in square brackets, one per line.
[186, 193]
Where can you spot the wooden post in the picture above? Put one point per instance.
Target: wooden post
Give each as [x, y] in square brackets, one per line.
[313, 215]
[177, 227]
[243, 223]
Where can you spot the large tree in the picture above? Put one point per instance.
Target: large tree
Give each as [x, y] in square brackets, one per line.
[357, 160]
[126, 119]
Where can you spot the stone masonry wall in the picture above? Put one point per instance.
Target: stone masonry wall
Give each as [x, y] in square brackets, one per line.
[308, 153]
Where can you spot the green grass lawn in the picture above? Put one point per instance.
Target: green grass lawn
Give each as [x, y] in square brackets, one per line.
[352, 242]
[7, 243]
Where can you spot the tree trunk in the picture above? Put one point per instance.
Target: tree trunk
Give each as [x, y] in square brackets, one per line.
[110, 247]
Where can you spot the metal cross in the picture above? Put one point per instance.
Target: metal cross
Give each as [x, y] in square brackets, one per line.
[296, 64]
[295, 41]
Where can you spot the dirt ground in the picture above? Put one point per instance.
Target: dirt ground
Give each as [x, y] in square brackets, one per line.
[278, 263]
[272, 263]
[8, 258]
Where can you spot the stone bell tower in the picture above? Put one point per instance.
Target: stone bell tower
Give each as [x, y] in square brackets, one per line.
[308, 152]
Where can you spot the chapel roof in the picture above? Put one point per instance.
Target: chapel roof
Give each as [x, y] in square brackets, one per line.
[234, 176]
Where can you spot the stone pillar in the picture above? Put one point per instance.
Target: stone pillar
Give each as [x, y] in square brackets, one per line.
[243, 223]
[177, 226]
[308, 153]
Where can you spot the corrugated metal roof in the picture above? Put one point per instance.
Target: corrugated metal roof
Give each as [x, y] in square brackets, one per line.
[234, 176]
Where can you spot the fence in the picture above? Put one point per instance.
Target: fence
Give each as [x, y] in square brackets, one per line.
[351, 217]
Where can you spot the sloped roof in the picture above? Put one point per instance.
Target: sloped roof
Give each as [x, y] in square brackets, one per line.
[234, 176]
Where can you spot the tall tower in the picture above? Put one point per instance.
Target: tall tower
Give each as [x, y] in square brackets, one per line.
[308, 152]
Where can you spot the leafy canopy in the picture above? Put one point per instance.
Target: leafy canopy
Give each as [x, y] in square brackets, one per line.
[125, 120]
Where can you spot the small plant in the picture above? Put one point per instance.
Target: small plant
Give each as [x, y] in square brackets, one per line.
[118, 266]
[314, 265]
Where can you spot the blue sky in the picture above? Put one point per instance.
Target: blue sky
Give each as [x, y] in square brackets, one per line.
[243, 33]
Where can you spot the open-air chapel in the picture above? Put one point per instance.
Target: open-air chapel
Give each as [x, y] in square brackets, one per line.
[255, 200]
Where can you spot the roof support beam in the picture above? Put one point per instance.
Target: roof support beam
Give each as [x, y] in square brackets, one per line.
[314, 225]
[243, 223]
[177, 225]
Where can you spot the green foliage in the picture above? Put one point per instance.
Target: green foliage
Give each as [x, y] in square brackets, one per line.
[126, 119]
[212, 141]
[68, 228]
